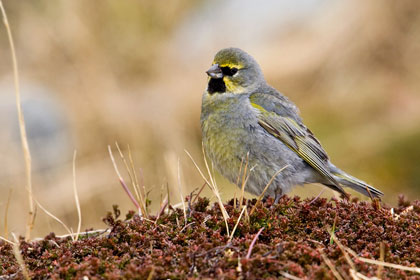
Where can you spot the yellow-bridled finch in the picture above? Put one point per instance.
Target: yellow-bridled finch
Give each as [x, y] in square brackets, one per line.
[244, 118]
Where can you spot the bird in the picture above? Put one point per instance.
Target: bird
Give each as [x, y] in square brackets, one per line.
[243, 118]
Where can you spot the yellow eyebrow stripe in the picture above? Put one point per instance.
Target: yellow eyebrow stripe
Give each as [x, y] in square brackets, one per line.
[230, 65]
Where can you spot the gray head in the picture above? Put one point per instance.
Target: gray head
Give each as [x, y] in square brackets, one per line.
[233, 70]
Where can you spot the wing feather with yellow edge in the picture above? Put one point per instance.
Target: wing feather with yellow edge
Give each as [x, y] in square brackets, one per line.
[291, 131]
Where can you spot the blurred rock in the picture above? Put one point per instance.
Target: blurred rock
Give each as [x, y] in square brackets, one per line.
[46, 126]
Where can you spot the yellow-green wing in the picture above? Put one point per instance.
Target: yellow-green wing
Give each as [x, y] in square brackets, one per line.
[291, 131]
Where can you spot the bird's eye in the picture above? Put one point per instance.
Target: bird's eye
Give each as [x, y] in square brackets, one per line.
[227, 71]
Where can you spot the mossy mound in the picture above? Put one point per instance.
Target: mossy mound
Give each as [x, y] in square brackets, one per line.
[295, 242]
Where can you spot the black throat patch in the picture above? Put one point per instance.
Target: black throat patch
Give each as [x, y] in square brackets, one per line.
[216, 85]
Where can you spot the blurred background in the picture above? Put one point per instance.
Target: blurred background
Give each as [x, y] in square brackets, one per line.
[132, 71]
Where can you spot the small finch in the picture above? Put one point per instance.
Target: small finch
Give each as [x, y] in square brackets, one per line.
[242, 117]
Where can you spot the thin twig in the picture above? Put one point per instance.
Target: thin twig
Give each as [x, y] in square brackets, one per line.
[23, 137]
[76, 197]
[248, 255]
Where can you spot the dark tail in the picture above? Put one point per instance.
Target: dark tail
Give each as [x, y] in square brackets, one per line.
[349, 181]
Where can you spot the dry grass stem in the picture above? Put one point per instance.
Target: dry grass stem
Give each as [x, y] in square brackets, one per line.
[162, 208]
[332, 231]
[212, 187]
[266, 188]
[18, 256]
[101, 231]
[342, 248]
[406, 210]
[76, 197]
[216, 191]
[23, 136]
[254, 240]
[346, 250]
[199, 192]
[240, 171]
[133, 178]
[180, 193]
[145, 194]
[357, 276]
[247, 215]
[385, 264]
[126, 189]
[6, 211]
[198, 168]
[130, 174]
[239, 267]
[381, 258]
[353, 274]
[320, 193]
[151, 274]
[168, 193]
[330, 266]
[236, 225]
[54, 217]
[7, 240]
[289, 276]
[244, 180]
[137, 189]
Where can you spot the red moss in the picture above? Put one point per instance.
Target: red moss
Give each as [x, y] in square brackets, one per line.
[294, 234]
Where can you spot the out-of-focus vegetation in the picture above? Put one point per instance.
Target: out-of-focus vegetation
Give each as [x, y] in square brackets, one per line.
[96, 72]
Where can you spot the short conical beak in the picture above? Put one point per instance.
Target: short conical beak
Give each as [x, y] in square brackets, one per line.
[215, 72]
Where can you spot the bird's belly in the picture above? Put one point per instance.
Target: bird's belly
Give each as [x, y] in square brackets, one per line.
[229, 142]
